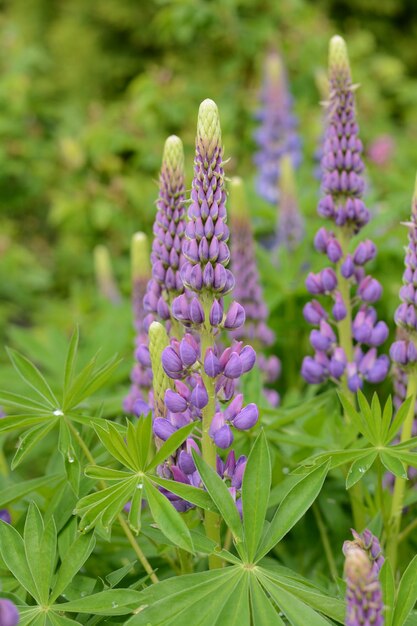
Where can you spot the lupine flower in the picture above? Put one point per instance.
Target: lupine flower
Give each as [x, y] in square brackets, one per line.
[290, 220]
[137, 401]
[363, 561]
[404, 352]
[248, 289]
[9, 615]
[346, 341]
[5, 516]
[169, 226]
[104, 275]
[276, 134]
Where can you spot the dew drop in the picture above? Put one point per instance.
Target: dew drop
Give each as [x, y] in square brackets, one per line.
[114, 605]
[58, 413]
[140, 486]
[285, 470]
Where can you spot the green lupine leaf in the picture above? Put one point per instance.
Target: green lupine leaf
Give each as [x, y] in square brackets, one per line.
[72, 562]
[292, 508]
[29, 440]
[387, 581]
[171, 445]
[264, 613]
[386, 420]
[32, 537]
[47, 561]
[371, 430]
[410, 458]
[399, 418]
[15, 400]
[32, 376]
[167, 517]
[196, 496]
[106, 473]
[92, 508]
[13, 553]
[297, 612]
[359, 468]
[20, 490]
[19, 422]
[109, 602]
[170, 602]
[115, 445]
[407, 594]
[255, 493]
[144, 438]
[135, 511]
[61, 620]
[357, 418]
[393, 464]
[236, 611]
[71, 360]
[220, 495]
[336, 458]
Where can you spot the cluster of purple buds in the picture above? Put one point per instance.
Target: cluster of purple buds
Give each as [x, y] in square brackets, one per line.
[9, 614]
[169, 226]
[277, 133]
[363, 561]
[403, 351]
[346, 358]
[138, 400]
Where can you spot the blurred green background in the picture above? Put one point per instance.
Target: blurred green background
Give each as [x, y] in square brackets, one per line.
[89, 90]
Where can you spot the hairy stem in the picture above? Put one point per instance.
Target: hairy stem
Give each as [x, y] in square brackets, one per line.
[400, 483]
[129, 535]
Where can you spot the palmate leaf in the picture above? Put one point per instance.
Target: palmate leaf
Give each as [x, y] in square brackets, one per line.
[32, 376]
[13, 553]
[109, 602]
[20, 490]
[264, 613]
[101, 508]
[74, 558]
[359, 468]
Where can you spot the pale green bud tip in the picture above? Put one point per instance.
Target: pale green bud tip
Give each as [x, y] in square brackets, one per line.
[338, 55]
[238, 205]
[158, 341]
[208, 124]
[273, 65]
[139, 253]
[173, 156]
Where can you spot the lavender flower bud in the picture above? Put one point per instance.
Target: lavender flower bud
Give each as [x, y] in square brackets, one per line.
[9, 615]
[247, 417]
[212, 365]
[235, 316]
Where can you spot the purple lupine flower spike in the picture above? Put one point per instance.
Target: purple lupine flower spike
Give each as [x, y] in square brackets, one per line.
[348, 356]
[363, 561]
[9, 615]
[248, 289]
[290, 220]
[169, 227]
[137, 400]
[276, 134]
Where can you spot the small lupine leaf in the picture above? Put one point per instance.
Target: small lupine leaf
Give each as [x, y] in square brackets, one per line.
[297, 612]
[15, 400]
[167, 517]
[393, 463]
[13, 552]
[264, 613]
[386, 420]
[357, 418]
[109, 602]
[236, 611]
[221, 496]
[336, 459]
[106, 473]
[135, 511]
[170, 445]
[372, 430]
[170, 602]
[196, 496]
[71, 360]
[18, 422]
[359, 468]
[32, 537]
[410, 458]
[293, 507]
[74, 558]
[255, 493]
[93, 507]
[20, 490]
[407, 594]
[144, 438]
[399, 418]
[32, 376]
[29, 440]
[115, 445]
[58, 619]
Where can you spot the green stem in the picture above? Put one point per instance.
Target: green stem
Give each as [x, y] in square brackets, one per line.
[400, 483]
[185, 561]
[211, 520]
[344, 328]
[325, 541]
[380, 492]
[129, 535]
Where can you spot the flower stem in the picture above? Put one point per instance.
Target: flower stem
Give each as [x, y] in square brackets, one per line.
[129, 535]
[399, 486]
[344, 328]
[325, 541]
[211, 520]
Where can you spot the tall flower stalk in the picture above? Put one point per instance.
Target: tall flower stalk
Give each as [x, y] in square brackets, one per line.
[346, 341]
[277, 133]
[203, 375]
[403, 352]
[248, 288]
[290, 230]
